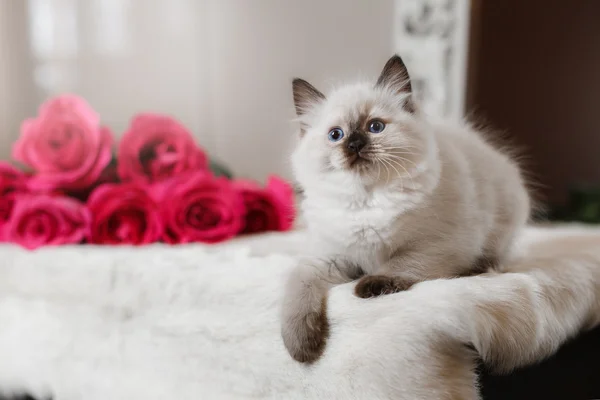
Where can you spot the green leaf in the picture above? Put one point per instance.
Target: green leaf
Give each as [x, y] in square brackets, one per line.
[219, 169]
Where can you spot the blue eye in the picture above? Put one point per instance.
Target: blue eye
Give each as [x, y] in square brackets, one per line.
[336, 134]
[376, 126]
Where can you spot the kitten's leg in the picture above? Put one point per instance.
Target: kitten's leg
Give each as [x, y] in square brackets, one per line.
[483, 264]
[406, 269]
[304, 321]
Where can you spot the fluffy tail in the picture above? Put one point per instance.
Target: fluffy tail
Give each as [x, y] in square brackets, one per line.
[551, 293]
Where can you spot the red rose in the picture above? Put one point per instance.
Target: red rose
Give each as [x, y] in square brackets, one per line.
[201, 208]
[124, 214]
[12, 181]
[7, 203]
[157, 147]
[39, 220]
[65, 145]
[268, 209]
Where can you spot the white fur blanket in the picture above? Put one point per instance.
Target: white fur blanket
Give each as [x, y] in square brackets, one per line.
[196, 322]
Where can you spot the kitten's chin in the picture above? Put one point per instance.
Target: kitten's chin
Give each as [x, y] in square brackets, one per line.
[358, 163]
[352, 165]
[363, 168]
[373, 172]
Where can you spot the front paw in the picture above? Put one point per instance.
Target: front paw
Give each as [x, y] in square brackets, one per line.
[304, 336]
[378, 285]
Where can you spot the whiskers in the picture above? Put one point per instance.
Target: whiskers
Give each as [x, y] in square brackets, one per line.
[393, 159]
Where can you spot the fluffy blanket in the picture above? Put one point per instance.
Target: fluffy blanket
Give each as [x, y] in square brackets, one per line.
[199, 322]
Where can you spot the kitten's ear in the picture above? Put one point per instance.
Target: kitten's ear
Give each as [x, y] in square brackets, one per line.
[305, 96]
[395, 76]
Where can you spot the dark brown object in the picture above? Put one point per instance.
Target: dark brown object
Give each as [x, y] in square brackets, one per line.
[535, 72]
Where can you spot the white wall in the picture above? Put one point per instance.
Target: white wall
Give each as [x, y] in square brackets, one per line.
[17, 92]
[260, 45]
[223, 67]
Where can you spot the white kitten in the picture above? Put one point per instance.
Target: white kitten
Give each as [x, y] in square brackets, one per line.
[392, 194]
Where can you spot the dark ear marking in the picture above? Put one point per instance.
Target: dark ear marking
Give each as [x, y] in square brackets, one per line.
[305, 95]
[395, 76]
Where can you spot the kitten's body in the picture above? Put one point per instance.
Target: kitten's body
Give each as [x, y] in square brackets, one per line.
[419, 200]
[456, 214]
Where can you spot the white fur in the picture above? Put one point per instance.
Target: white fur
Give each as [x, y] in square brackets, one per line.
[449, 192]
[428, 199]
[194, 322]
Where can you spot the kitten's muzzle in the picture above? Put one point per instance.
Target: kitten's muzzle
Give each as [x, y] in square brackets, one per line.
[356, 142]
[356, 145]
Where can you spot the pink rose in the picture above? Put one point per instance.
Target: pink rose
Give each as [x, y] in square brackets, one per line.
[157, 147]
[65, 145]
[124, 214]
[39, 220]
[201, 208]
[12, 181]
[268, 209]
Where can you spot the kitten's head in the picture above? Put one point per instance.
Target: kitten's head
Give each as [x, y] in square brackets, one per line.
[359, 134]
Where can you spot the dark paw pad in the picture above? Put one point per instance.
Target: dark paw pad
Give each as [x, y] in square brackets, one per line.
[378, 285]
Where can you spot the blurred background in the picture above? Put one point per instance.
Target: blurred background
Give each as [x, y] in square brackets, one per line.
[224, 67]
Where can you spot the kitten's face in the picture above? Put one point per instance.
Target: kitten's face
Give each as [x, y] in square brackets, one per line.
[361, 133]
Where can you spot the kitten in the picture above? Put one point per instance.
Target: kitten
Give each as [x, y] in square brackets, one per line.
[392, 195]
